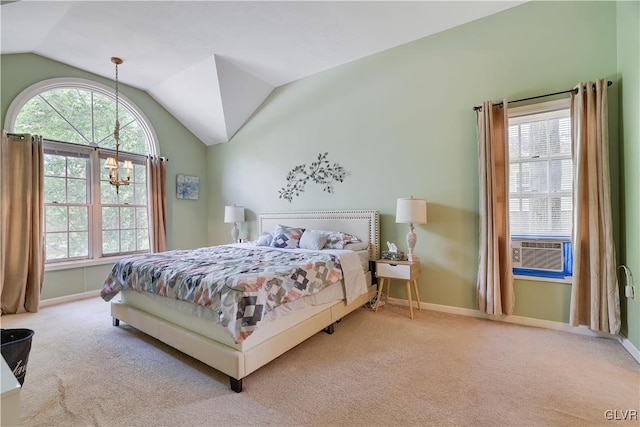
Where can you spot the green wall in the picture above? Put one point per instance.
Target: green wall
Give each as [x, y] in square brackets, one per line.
[187, 155]
[401, 122]
[629, 75]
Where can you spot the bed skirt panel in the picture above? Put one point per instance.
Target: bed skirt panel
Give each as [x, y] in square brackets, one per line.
[225, 359]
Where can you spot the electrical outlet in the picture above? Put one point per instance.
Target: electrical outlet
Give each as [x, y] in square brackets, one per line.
[629, 289]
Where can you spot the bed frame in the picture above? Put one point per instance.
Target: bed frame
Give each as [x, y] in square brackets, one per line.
[238, 364]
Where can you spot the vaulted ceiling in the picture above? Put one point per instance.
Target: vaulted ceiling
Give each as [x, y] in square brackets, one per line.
[212, 63]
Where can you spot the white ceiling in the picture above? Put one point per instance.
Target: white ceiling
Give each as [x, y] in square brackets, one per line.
[212, 63]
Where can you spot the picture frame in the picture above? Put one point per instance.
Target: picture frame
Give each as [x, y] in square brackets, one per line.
[187, 187]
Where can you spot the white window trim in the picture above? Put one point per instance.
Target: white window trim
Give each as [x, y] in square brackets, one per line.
[81, 150]
[548, 108]
[73, 82]
[541, 107]
[95, 256]
[66, 82]
[68, 265]
[566, 280]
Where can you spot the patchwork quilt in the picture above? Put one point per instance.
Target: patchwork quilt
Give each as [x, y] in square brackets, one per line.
[239, 285]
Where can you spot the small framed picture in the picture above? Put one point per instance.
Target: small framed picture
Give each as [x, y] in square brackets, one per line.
[187, 187]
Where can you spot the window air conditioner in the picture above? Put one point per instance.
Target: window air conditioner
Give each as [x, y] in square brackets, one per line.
[543, 254]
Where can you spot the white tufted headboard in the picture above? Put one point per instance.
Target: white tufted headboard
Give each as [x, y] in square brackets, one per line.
[364, 224]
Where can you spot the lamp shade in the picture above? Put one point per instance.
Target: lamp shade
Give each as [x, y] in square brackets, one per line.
[110, 163]
[234, 213]
[411, 211]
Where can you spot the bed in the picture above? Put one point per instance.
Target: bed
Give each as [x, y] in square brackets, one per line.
[238, 348]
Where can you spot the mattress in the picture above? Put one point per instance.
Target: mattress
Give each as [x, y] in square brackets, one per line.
[363, 255]
[201, 320]
[209, 328]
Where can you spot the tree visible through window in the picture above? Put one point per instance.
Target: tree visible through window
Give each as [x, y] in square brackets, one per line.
[80, 116]
[84, 216]
[66, 202]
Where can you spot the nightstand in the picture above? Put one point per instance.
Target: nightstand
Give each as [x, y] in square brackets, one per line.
[386, 270]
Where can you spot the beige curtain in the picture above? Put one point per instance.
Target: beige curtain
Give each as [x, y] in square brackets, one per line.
[157, 168]
[495, 293]
[595, 300]
[22, 243]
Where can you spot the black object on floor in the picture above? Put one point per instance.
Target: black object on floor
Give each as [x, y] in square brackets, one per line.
[16, 345]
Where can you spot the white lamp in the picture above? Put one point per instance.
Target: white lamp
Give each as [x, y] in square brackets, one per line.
[234, 214]
[412, 211]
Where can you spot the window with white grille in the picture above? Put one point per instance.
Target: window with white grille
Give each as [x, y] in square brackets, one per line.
[85, 219]
[540, 180]
[540, 174]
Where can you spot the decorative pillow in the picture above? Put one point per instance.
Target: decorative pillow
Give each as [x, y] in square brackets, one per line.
[313, 239]
[337, 240]
[264, 239]
[286, 237]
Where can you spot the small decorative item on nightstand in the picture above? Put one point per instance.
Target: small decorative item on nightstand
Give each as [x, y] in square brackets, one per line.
[402, 270]
[392, 253]
[393, 256]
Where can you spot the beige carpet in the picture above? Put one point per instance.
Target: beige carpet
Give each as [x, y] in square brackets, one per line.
[376, 369]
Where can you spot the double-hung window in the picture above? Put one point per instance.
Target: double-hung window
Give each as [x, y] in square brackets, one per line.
[541, 189]
[85, 219]
[67, 202]
[125, 225]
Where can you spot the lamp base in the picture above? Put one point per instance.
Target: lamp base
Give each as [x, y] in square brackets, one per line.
[411, 243]
[235, 233]
[413, 257]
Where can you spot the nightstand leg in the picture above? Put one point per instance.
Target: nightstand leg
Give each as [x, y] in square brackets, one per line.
[381, 285]
[415, 287]
[409, 298]
[388, 289]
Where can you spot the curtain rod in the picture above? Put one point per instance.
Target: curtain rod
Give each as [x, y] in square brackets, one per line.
[111, 150]
[21, 136]
[575, 90]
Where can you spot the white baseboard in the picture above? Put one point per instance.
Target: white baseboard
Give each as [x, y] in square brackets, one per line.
[632, 349]
[518, 320]
[69, 298]
[528, 321]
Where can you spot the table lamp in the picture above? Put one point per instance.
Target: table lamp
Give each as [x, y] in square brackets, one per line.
[234, 214]
[412, 211]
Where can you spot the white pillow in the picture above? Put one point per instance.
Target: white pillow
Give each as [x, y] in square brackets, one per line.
[264, 239]
[313, 239]
[360, 246]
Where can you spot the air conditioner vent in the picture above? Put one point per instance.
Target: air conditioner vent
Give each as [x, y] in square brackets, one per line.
[542, 245]
[538, 255]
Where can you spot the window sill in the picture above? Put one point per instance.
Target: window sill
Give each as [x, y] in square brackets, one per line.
[566, 280]
[56, 266]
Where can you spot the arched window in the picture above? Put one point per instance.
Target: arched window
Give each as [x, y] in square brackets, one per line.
[86, 220]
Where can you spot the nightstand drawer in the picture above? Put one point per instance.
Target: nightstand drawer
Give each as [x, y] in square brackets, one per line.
[393, 271]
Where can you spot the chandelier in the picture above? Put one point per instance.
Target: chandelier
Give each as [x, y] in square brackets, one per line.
[113, 164]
